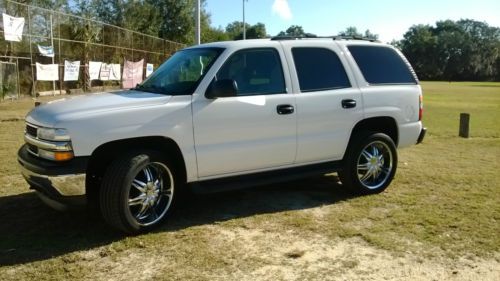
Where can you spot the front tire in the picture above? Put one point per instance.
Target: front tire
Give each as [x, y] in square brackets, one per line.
[370, 163]
[137, 191]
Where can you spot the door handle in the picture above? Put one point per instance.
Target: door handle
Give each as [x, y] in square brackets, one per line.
[348, 103]
[285, 109]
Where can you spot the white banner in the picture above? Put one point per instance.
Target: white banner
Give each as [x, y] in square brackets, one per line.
[47, 72]
[94, 69]
[132, 73]
[149, 69]
[13, 28]
[47, 51]
[110, 72]
[71, 70]
[116, 72]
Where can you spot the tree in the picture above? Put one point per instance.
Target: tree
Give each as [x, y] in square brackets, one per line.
[235, 30]
[293, 31]
[453, 50]
[418, 43]
[370, 35]
[352, 31]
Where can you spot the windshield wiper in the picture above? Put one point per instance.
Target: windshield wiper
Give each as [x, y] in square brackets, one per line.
[151, 89]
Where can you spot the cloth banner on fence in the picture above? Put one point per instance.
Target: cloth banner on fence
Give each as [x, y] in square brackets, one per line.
[149, 69]
[13, 28]
[47, 51]
[71, 70]
[94, 69]
[47, 72]
[132, 73]
[110, 72]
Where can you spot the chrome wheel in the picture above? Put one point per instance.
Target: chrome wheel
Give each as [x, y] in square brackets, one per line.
[151, 193]
[374, 165]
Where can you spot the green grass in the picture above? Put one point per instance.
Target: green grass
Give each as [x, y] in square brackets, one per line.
[443, 204]
[443, 103]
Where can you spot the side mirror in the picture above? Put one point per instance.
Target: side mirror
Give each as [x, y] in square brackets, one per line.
[222, 88]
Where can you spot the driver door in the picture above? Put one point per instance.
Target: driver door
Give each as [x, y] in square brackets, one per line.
[250, 131]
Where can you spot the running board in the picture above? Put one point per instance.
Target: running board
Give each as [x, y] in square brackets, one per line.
[264, 178]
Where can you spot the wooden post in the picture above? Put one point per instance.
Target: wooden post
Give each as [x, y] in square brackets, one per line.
[464, 125]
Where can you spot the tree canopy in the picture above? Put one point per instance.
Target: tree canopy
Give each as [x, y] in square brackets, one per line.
[453, 50]
[352, 31]
[449, 50]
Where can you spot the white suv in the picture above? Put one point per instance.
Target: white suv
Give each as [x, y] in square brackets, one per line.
[227, 115]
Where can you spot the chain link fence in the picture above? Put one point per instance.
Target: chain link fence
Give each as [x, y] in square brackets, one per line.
[73, 38]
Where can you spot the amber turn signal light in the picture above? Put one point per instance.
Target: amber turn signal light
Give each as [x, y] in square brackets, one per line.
[63, 155]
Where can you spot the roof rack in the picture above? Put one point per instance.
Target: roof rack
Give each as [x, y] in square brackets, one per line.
[314, 36]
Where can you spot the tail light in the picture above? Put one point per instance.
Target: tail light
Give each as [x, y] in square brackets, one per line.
[420, 107]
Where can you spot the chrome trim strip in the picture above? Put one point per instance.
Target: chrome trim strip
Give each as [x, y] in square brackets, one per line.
[66, 185]
[52, 146]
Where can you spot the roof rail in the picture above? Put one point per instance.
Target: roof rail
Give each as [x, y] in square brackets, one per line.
[313, 36]
[288, 37]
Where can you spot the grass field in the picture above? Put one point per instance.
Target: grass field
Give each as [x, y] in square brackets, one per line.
[440, 218]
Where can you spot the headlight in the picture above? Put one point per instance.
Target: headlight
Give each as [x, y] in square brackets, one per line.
[53, 134]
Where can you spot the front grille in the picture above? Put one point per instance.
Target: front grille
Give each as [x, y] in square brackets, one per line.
[31, 130]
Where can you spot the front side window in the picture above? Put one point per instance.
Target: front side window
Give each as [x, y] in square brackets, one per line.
[181, 74]
[382, 65]
[256, 72]
[319, 69]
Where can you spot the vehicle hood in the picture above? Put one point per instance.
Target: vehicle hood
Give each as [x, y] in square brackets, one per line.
[51, 113]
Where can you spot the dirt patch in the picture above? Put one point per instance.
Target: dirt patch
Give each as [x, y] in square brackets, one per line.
[291, 256]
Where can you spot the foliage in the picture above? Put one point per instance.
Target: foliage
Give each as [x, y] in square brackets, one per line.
[352, 31]
[234, 30]
[465, 50]
[294, 31]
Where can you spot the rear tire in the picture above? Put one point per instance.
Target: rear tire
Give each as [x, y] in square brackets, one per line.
[370, 163]
[137, 191]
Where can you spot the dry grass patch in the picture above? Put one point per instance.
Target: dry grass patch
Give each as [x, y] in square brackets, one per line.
[438, 220]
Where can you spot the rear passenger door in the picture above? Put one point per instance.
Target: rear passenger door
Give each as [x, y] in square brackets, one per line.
[328, 101]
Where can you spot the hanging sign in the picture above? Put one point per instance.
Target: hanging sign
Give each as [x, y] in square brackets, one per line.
[94, 69]
[149, 69]
[110, 72]
[47, 72]
[71, 70]
[13, 28]
[132, 73]
[47, 51]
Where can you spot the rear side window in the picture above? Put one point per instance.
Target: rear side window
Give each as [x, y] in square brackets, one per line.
[382, 65]
[319, 69]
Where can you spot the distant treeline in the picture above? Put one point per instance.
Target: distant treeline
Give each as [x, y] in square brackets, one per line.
[464, 50]
[449, 50]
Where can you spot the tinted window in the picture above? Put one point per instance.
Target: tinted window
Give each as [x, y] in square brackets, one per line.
[256, 72]
[382, 65]
[319, 69]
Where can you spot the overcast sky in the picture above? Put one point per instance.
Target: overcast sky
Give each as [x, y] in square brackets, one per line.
[388, 18]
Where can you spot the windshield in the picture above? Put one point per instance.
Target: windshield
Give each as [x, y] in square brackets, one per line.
[181, 73]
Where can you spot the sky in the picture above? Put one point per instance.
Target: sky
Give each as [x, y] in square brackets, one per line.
[390, 19]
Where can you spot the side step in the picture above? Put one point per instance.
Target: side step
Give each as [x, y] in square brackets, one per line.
[265, 178]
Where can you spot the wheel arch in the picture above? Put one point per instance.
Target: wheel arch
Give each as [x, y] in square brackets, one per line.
[104, 154]
[382, 124]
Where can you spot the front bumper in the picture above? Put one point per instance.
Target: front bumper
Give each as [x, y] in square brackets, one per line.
[60, 185]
